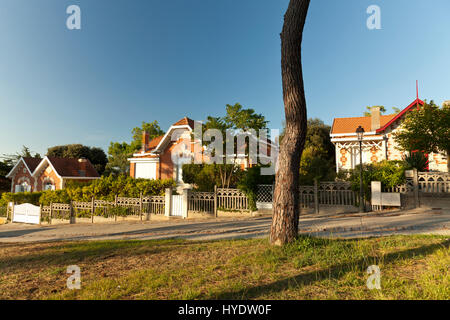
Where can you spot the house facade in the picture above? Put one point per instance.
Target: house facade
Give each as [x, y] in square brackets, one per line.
[378, 140]
[163, 157]
[49, 173]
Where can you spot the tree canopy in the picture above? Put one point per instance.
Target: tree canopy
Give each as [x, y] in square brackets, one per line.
[239, 118]
[152, 128]
[95, 155]
[11, 159]
[119, 152]
[426, 130]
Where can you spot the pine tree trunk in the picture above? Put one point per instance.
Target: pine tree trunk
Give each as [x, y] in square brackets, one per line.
[286, 208]
[448, 161]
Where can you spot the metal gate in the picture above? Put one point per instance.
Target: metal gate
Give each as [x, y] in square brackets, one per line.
[177, 206]
[27, 213]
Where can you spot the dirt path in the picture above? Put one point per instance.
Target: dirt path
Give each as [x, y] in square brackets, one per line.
[347, 226]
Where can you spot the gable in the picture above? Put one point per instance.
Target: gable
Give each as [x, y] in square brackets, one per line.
[29, 164]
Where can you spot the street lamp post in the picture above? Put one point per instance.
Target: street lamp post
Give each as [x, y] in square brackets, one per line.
[360, 135]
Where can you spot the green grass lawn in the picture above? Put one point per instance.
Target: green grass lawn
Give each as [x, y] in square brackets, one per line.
[412, 267]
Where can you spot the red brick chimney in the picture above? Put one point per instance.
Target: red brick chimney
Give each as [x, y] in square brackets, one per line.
[145, 141]
[83, 166]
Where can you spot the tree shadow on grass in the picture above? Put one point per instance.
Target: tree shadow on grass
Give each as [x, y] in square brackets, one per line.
[82, 252]
[336, 271]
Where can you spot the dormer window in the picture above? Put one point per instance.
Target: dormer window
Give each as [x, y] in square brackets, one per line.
[82, 173]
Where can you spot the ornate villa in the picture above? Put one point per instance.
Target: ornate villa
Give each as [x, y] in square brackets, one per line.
[378, 142]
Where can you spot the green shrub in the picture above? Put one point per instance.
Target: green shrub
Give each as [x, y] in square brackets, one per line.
[21, 197]
[205, 176]
[105, 188]
[249, 182]
[389, 173]
[416, 160]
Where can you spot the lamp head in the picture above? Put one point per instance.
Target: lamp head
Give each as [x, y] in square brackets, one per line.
[360, 133]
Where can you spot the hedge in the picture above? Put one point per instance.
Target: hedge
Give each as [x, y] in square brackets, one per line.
[105, 188]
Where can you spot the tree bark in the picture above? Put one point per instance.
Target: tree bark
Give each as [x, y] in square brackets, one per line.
[286, 208]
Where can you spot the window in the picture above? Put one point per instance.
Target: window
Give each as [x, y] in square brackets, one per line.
[145, 170]
[49, 186]
[23, 187]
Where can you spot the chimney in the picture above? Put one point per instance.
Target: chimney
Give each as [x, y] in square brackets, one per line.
[375, 118]
[83, 165]
[145, 141]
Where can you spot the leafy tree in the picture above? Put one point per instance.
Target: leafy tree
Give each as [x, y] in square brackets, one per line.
[95, 155]
[119, 152]
[152, 128]
[396, 110]
[318, 157]
[427, 130]
[236, 118]
[11, 159]
[317, 160]
[368, 113]
[244, 119]
[5, 168]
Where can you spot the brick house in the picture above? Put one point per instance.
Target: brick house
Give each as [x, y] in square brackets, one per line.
[378, 141]
[154, 160]
[49, 173]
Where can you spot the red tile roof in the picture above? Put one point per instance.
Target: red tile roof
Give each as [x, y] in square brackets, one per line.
[66, 167]
[349, 125]
[185, 121]
[154, 143]
[32, 163]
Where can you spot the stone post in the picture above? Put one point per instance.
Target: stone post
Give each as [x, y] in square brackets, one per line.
[416, 188]
[376, 194]
[185, 203]
[168, 202]
[215, 201]
[316, 196]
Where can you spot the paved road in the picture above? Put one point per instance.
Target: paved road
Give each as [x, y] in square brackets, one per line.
[346, 226]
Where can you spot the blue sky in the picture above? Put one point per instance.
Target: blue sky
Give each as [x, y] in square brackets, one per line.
[146, 60]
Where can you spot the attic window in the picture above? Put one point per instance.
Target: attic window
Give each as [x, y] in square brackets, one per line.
[82, 173]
